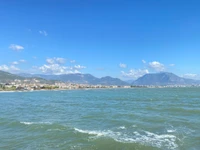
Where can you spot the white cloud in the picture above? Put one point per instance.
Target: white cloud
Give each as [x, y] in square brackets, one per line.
[43, 32]
[15, 63]
[57, 69]
[72, 61]
[121, 65]
[4, 67]
[171, 65]
[55, 60]
[50, 61]
[34, 67]
[143, 61]
[79, 67]
[190, 75]
[60, 60]
[157, 66]
[11, 68]
[16, 47]
[56, 66]
[22, 60]
[18, 62]
[53, 69]
[134, 74]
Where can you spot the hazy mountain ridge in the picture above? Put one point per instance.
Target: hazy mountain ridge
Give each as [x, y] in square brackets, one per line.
[9, 77]
[6, 76]
[164, 78]
[80, 79]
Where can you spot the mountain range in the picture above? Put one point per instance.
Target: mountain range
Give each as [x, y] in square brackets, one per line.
[6, 77]
[162, 78]
[80, 79]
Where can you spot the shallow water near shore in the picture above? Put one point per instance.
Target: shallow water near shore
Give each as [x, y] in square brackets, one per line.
[101, 119]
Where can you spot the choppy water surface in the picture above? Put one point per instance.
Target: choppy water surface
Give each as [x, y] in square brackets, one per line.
[104, 119]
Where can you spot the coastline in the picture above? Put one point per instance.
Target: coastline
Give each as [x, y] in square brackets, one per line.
[99, 88]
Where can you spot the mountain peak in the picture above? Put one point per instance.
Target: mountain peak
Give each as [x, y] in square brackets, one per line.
[83, 79]
[163, 78]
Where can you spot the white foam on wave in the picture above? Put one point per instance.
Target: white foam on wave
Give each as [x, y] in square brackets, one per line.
[167, 141]
[97, 133]
[26, 123]
[171, 131]
[30, 123]
[51, 130]
[122, 127]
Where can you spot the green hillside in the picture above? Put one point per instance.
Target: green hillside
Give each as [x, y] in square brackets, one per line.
[7, 77]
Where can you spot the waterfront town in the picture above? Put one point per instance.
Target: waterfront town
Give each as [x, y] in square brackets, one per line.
[34, 84]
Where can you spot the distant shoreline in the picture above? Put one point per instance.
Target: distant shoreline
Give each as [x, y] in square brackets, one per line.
[142, 87]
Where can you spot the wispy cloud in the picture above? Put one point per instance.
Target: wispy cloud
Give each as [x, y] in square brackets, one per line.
[15, 63]
[43, 32]
[143, 61]
[121, 65]
[54, 69]
[14, 68]
[79, 67]
[72, 61]
[11, 68]
[57, 69]
[56, 66]
[55, 60]
[22, 60]
[18, 62]
[191, 76]
[16, 47]
[171, 65]
[4, 67]
[156, 66]
[134, 73]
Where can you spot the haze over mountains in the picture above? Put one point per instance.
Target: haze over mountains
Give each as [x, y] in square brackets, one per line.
[80, 78]
[6, 77]
[163, 78]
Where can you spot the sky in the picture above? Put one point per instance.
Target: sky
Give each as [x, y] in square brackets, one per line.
[119, 38]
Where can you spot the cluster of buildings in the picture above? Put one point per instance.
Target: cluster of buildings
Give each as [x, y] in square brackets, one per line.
[34, 84]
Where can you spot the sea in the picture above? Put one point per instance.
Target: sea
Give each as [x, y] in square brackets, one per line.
[101, 119]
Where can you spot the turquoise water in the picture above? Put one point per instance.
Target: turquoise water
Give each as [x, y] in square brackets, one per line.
[101, 119]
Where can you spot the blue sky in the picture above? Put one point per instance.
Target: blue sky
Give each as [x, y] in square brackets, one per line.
[118, 38]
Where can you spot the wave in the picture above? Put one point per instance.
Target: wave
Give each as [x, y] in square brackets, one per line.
[47, 126]
[122, 127]
[97, 133]
[31, 123]
[167, 141]
[171, 131]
